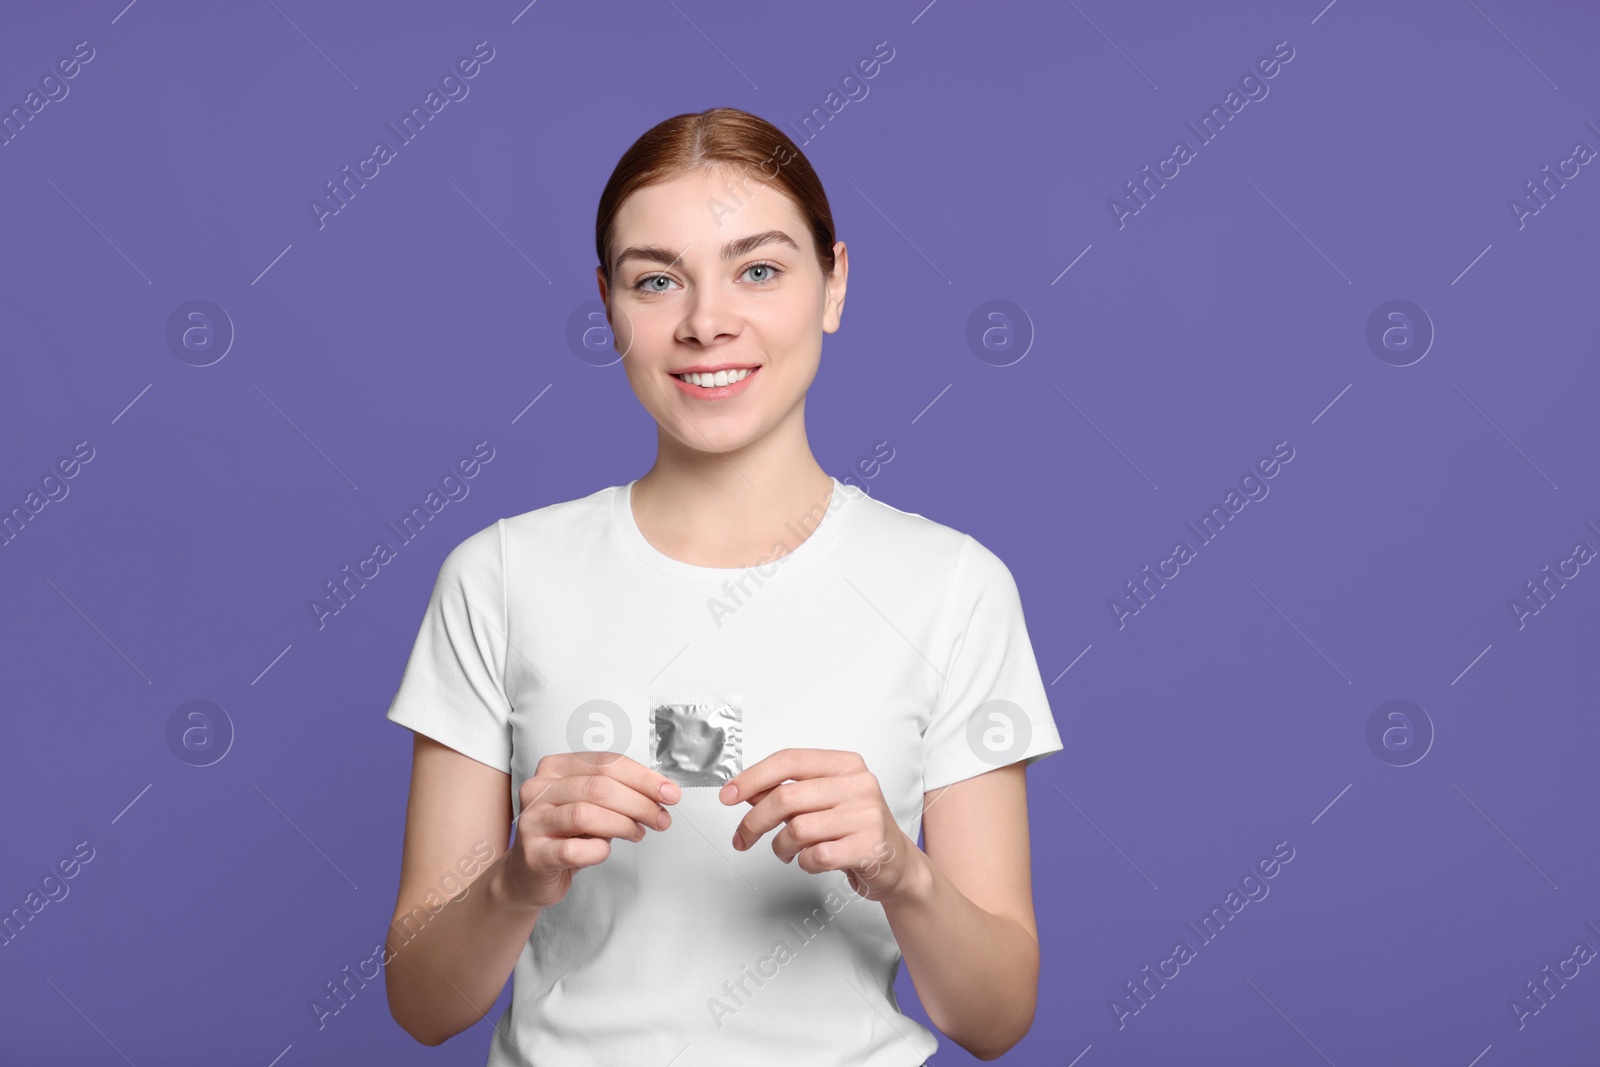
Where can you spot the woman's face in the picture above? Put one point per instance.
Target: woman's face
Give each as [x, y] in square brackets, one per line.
[719, 272]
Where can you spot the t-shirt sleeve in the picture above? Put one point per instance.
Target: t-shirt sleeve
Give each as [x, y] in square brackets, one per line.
[992, 709]
[452, 689]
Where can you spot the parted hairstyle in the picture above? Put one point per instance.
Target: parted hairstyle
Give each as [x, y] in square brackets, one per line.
[715, 139]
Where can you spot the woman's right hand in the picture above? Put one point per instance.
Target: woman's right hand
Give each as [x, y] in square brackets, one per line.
[572, 807]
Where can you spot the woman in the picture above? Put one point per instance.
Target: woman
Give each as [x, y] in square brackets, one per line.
[733, 649]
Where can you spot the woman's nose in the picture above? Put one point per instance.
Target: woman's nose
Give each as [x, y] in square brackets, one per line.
[709, 315]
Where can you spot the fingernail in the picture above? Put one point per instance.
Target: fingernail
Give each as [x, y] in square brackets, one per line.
[670, 792]
[736, 842]
[730, 792]
[662, 819]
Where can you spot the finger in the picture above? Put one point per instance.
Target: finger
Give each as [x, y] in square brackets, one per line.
[759, 797]
[784, 802]
[580, 818]
[809, 829]
[583, 818]
[836, 855]
[784, 764]
[625, 769]
[853, 854]
[554, 854]
[607, 792]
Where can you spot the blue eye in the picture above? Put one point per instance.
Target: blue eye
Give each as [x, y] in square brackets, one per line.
[774, 272]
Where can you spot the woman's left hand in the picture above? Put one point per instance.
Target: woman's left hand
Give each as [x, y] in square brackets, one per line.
[834, 818]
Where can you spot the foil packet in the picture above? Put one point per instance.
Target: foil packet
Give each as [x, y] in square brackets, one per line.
[697, 742]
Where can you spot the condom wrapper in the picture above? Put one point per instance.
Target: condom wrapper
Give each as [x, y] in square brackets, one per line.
[697, 742]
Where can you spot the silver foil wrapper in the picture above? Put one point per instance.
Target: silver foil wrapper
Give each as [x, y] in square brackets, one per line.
[697, 742]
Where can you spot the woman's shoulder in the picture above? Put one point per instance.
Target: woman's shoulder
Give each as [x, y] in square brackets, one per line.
[574, 517]
[548, 525]
[968, 573]
[921, 541]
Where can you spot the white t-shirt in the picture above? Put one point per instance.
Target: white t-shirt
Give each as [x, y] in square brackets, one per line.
[883, 633]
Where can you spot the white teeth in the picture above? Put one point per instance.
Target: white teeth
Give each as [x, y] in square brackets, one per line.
[711, 381]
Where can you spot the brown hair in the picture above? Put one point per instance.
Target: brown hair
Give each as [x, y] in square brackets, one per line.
[708, 140]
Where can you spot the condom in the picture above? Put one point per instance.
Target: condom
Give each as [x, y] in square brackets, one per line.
[697, 742]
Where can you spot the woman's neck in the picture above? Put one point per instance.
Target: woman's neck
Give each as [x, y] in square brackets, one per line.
[730, 509]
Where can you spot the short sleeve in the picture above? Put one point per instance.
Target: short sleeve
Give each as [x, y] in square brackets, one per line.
[452, 689]
[992, 709]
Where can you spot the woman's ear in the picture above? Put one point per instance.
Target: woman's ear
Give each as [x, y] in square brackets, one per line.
[833, 289]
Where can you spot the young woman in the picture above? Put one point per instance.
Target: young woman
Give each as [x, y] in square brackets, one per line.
[721, 699]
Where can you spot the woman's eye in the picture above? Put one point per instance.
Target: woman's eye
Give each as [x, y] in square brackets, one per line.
[769, 273]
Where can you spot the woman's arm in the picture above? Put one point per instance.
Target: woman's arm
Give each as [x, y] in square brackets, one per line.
[965, 924]
[446, 966]
[446, 963]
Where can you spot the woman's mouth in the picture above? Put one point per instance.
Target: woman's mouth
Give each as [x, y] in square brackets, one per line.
[717, 386]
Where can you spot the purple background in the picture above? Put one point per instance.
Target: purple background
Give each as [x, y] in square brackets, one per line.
[1230, 313]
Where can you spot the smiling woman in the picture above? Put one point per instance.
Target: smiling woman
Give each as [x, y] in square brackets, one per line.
[886, 687]
[728, 308]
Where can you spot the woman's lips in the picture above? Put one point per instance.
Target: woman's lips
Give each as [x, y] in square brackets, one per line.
[721, 392]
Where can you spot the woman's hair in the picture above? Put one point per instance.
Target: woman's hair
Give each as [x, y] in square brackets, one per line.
[718, 138]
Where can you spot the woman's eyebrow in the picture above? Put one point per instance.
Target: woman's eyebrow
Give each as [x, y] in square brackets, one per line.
[732, 250]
